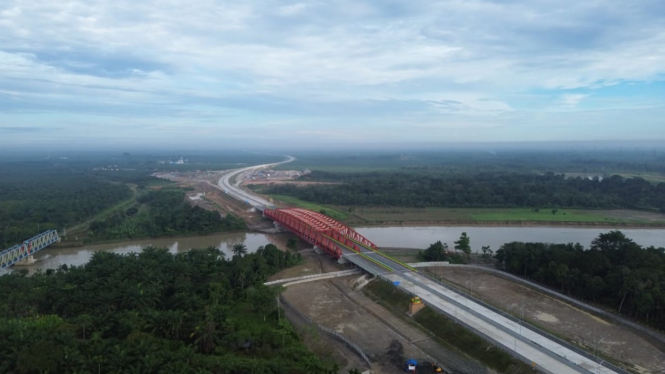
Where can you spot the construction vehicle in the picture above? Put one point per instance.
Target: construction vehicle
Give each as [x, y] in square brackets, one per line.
[424, 367]
[411, 365]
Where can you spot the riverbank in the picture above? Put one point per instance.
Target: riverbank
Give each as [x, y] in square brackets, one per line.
[394, 224]
[480, 217]
[600, 225]
[377, 216]
[78, 244]
[421, 237]
[401, 242]
[53, 257]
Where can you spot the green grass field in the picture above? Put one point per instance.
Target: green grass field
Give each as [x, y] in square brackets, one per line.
[331, 212]
[561, 215]
[396, 214]
[159, 183]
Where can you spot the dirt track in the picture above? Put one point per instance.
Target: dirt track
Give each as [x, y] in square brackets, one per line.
[574, 324]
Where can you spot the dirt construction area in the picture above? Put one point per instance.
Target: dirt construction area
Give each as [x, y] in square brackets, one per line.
[386, 339]
[206, 194]
[615, 341]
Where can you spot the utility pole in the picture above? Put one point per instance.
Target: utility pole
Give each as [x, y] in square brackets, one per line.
[521, 317]
[515, 341]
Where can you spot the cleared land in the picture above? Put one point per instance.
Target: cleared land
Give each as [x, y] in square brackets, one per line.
[619, 343]
[446, 331]
[386, 338]
[377, 215]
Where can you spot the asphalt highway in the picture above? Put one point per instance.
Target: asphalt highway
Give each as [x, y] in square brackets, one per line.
[544, 353]
[234, 189]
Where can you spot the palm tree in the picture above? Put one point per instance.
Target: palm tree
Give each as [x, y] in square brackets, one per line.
[239, 249]
[206, 332]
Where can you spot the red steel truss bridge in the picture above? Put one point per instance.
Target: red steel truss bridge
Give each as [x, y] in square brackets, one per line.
[335, 238]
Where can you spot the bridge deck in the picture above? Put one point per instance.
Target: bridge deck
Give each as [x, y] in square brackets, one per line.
[365, 261]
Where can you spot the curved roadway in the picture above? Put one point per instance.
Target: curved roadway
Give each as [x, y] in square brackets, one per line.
[234, 189]
[546, 354]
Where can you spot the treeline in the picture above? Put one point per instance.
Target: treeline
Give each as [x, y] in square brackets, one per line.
[35, 196]
[477, 190]
[153, 312]
[439, 251]
[615, 272]
[162, 213]
[486, 160]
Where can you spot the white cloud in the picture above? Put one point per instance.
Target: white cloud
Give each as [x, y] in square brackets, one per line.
[291, 9]
[572, 99]
[11, 12]
[262, 59]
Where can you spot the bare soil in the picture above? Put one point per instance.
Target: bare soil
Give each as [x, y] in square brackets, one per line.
[324, 304]
[323, 345]
[313, 265]
[388, 341]
[560, 318]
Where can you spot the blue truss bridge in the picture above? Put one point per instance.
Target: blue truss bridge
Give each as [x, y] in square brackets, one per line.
[23, 251]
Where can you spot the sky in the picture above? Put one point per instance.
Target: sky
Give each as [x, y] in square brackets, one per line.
[210, 73]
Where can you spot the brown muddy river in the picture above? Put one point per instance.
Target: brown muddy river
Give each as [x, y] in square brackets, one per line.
[51, 258]
[405, 237]
[422, 237]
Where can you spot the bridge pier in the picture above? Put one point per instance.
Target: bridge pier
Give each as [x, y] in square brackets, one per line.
[342, 260]
[319, 250]
[30, 260]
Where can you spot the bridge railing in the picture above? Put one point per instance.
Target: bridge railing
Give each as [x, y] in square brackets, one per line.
[360, 253]
[335, 274]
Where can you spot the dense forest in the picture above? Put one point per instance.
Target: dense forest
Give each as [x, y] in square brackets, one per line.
[162, 213]
[41, 195]
[418, 189]
[35, 196]
[615, 272]
[153, 312]
[485, 159]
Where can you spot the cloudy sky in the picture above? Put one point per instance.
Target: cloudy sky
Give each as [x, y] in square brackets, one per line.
[350, 71]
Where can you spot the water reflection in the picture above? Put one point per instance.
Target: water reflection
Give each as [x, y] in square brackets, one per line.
[52, 258]
[422, 237]
[405, 237]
